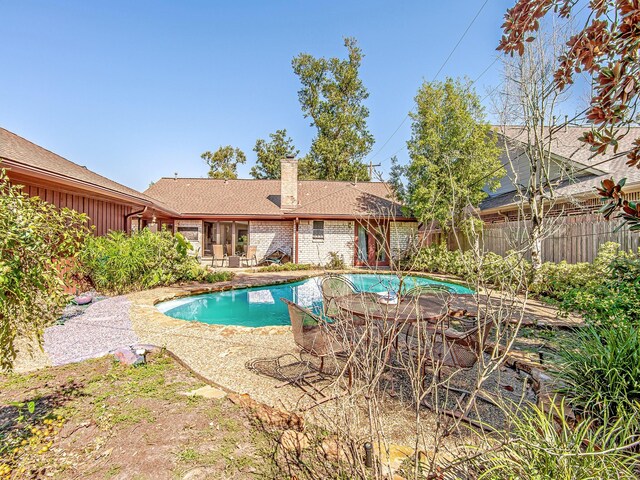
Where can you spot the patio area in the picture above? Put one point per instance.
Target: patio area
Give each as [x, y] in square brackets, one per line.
[221, 353]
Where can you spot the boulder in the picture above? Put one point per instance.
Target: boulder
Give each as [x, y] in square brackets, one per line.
[271, 416]
[294, 441]
[127, 356]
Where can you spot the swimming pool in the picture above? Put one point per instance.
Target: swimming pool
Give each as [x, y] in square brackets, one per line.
[261, 306]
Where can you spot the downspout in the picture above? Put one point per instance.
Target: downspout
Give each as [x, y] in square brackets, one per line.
[297, 224]
[126, 218]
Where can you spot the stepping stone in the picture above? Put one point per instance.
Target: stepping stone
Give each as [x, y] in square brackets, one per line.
[207, 392]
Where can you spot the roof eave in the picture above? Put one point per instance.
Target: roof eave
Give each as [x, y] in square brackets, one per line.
[29, 170]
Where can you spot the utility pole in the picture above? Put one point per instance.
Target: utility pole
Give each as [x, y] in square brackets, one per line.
[371, 166]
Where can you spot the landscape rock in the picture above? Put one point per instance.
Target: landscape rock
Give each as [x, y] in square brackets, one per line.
[392, 456]
[294, 441]
[207, 392]
[335, 450]
[271, 416]
[126, 356]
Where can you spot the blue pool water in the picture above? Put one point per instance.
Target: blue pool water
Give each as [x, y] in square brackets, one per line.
[261, 306]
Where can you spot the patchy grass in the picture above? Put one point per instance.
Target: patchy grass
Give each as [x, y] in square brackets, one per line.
[99, 419]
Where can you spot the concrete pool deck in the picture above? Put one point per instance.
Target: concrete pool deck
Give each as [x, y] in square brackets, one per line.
[215, 351]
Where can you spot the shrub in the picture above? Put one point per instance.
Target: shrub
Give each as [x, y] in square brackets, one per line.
[287, 267]
[601, 372]
[336, 262]
[436, 258]
[37, 242]
[120, 263]
[558, 280]
[544, 445]
[493, 268]
[613, 296]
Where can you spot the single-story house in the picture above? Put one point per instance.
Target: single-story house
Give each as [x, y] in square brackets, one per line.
[306, 219]
[108, 204]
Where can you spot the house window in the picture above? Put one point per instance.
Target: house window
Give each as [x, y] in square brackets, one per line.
[318, 230]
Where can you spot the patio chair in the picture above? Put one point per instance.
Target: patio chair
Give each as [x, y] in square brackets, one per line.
[334, 286]
[217, 255]
[229, 249]
[250, 256]
[313, 334]
[460, 349]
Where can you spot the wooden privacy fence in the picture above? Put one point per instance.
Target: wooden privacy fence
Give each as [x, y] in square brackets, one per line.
[573, 238]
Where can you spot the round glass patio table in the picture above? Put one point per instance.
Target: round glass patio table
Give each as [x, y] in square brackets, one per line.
[428, 308]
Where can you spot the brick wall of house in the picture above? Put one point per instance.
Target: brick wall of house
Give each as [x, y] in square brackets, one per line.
[338, 237]
[402, 235]
[269, 236]
[196, 240]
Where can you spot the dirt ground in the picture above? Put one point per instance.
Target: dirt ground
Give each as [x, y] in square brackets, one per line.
[101, 420]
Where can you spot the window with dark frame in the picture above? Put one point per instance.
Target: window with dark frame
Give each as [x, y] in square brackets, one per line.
[318, 230]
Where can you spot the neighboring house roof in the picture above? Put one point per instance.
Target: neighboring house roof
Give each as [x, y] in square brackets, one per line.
[589, 168]
[250, 198]
[19, 153]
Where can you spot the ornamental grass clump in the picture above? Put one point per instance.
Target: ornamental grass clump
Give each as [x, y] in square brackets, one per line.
[542, 444]
[600, 373]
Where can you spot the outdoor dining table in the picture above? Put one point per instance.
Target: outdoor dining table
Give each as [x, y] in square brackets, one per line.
[432, 309]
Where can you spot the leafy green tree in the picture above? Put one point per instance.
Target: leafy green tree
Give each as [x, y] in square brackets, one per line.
[332, 95]
[37, 244]
[223, 163]
[270, 153]
[453, 154]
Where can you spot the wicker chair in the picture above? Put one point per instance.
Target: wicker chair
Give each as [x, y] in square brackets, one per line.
[312, 334]
[334, 286]
[460, 349]
[217, 255]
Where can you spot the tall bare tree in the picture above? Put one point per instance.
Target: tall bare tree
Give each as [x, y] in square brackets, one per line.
[527, 108]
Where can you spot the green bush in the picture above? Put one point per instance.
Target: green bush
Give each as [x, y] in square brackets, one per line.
[544, 445]
[611, 299]
[491, 268]
[436, 258]
[38, 242]
[558, 280]
[336, 262]
[601, 372]
[287, 267]
[120, 263]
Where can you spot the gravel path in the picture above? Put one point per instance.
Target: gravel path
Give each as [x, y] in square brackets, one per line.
[103, 327]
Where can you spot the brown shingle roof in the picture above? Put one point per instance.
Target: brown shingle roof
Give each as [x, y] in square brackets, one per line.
[316, 198]
[21, 151]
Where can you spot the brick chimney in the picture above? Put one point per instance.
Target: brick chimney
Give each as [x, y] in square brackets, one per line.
[288, 183]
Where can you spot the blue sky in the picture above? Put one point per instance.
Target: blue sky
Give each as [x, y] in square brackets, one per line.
[138, 90]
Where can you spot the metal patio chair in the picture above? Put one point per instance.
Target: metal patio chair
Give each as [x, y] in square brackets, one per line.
[250, 256]
[334, 286]
[460, 349]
